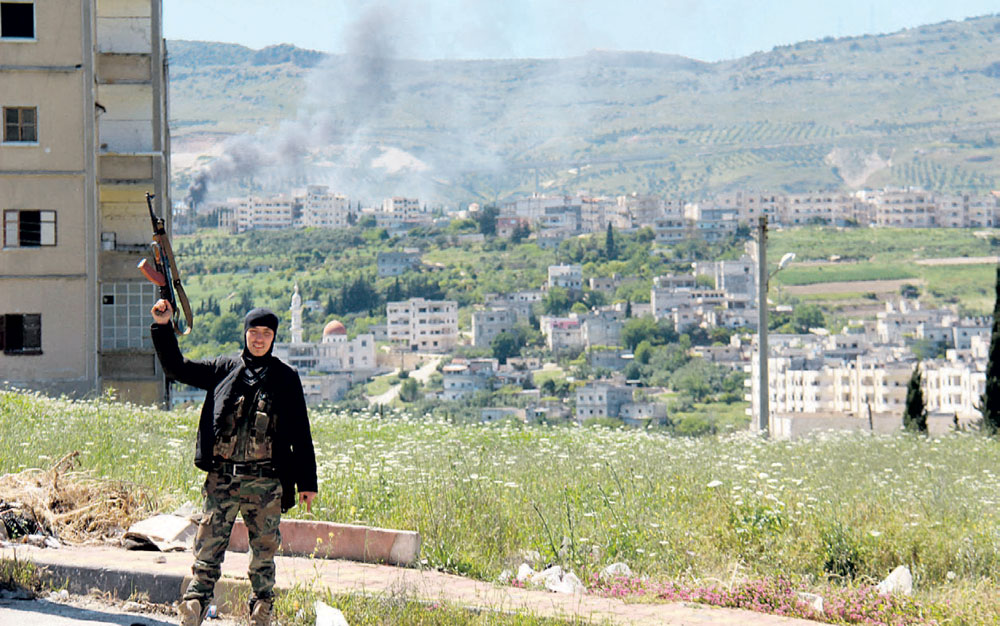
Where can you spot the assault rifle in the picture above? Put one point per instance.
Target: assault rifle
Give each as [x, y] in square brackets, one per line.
[164, 272]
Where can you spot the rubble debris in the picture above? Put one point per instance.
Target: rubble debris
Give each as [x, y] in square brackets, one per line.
[66, 503]
[161, 532]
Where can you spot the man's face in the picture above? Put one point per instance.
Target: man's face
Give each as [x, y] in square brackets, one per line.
[259, 340]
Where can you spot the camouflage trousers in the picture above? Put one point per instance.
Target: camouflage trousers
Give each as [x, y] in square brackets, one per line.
[258, 500]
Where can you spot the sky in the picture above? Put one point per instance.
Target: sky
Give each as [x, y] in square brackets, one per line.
[708, 30]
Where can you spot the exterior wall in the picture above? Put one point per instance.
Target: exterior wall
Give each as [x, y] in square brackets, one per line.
[84, 167]
[323, 209]
[566, 276]
[66, 363]
[427, 325]
[58, 96]
[488, 324]
[53, 72]
[601, 400]
[127, 124]
[396, 263]
[59, 38]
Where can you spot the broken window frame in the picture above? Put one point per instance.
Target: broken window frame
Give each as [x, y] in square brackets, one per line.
[18, 130]
[20, 36]
[21, 333]
[38, 232]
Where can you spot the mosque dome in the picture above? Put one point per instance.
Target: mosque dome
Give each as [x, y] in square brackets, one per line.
[334, 328]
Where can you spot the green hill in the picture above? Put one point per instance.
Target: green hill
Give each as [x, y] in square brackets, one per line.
[918, 107]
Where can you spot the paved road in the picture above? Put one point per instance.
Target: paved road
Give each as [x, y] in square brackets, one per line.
[82, 611]
[422, 374]
[45, 613]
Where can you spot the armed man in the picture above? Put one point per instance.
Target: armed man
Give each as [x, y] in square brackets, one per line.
[254, 441]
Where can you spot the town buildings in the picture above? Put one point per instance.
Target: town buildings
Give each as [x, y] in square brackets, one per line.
[396, 263]
[84, 103]
[328, 368]
[488, 323]
[423, 325]
[859, 379]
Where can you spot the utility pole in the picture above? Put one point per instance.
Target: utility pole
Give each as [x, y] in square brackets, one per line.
[762, 279]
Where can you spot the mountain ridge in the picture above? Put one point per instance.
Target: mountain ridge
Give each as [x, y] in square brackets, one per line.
[619, 121]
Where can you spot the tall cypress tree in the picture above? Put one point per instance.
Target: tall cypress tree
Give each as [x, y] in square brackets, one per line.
[915, 415]
[989, 403]
[610, 252]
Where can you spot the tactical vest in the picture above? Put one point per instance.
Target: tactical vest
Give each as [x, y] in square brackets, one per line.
[251, 436]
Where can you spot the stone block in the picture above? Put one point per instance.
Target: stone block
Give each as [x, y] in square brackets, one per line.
[328, 540]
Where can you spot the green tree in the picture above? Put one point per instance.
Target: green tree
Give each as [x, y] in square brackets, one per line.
[486, 218]
[610, 252]
[807, 316]
[637, 329]
[506, 345]
[556, 301]
[915, 413]
[227, 328]
[520, 232]
[989, 403]
[643, 352]
[696, 378]
[409, 391]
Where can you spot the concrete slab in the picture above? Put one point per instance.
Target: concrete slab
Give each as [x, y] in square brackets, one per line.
[161, 575]
[328, 540]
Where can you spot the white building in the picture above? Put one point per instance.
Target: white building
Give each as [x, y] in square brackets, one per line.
[840, 382]
[423, 325]
[569, 277]
[330, 367]
[462, 377]
[323, 209]
[601, 399]
[263, 212]
[398, 213]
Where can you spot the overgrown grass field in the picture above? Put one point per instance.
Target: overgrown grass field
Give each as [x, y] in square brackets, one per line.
[836, 510]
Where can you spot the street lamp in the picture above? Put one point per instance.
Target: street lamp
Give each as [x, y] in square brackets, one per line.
[763, 279]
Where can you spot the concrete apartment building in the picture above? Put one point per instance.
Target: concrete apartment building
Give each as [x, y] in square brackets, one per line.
[487, 324]
[323, 209]
[397, 263]
[84, 138]
[601, 399]
[845, 380]
[520, 302]
[423, 325]
[265, 212]
[569, 277]
[398, 213]
[463, 377]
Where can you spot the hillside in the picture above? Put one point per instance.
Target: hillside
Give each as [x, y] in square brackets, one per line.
[827, 515]
[918, 107]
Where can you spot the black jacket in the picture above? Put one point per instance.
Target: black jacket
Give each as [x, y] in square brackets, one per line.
[293, 453]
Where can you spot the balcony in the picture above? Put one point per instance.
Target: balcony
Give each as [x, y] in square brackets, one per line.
[124, 69]
[115, 168]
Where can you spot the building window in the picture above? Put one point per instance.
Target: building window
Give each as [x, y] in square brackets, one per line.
[20, 124]
[17, 20]
[125, 315]
[21, 333]
[29, 229]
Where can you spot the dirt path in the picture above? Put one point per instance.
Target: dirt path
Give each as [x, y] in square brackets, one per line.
[961, 260]
[422, 374]
[852, 286]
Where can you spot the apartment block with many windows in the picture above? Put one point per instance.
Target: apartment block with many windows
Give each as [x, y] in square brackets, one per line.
[84, 139]
[423, 325]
